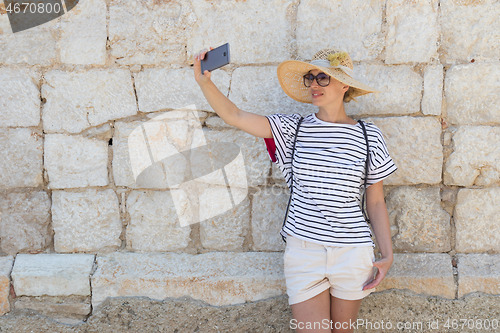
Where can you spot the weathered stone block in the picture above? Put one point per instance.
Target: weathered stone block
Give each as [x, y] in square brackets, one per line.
[246, 26]
[52, 274]
[478, 272]
[354, 26]
[159, 89]
[86, 221]
[433, 90]
[5, 269]
[413, 31]
[421, 224]
[21, 165]
[4, 22]
[204, 202]
[228, 224]
[149, 32]
[78, 100]
[413, 142]
[71, 307]
[129, 147]
[24, 222]
[75, 161]
[462, 22]
[474, 160]
[217, 278]
[268, 210]
[423, 273]
[154, 223]
[476, 220]
[155, 153]
[20, 98]
[84, 33]
[400, 91]
[473, 104]
[244, 157]
[257, 90]
[35, 46]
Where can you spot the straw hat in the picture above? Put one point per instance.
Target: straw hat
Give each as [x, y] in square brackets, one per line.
[336, 63]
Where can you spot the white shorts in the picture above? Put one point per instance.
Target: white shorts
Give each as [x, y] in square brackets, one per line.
[311, 268]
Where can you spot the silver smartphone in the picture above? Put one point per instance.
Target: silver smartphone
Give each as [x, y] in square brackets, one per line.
[215, 58]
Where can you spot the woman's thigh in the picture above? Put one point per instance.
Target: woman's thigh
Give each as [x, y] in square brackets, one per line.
[312, 315]
[325, 313]
[344, 314]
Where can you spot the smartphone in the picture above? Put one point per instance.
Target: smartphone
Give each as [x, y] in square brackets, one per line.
[215, 58]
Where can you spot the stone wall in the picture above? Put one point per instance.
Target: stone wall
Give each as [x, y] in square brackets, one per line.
[94, 204]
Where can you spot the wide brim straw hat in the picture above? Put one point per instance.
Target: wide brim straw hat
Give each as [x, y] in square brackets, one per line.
[335, 63]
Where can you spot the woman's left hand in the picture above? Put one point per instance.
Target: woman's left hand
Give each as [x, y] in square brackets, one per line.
[383, 266]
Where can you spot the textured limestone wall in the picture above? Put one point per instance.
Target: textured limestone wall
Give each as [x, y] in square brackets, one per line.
[94, 203]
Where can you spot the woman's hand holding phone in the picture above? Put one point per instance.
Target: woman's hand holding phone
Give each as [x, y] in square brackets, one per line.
[201, 78]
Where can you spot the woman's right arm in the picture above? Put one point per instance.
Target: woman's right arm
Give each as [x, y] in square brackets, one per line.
[251, 123]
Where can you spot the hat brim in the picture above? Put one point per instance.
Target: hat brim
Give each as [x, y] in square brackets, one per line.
[290, 77]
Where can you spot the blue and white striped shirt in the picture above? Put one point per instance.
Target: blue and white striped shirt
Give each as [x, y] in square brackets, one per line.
[328, 170]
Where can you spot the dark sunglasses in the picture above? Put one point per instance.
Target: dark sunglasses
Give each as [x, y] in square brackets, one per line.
[322, 79]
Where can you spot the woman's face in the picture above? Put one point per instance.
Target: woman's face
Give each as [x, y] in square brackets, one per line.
[332, 93]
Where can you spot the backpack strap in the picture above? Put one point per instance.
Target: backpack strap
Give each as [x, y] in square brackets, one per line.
[366, 171]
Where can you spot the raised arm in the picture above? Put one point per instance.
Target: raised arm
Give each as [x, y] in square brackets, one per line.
[251, 123]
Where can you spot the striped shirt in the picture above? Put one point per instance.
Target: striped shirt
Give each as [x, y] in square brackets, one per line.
[328, 176]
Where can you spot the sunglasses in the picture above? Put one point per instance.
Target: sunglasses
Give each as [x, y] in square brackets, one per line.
[322, 79]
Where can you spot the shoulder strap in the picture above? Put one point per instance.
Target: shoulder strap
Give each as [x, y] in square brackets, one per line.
[366, 170]
[291, 174]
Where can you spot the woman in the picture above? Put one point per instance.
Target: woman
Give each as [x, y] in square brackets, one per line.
[329, 263]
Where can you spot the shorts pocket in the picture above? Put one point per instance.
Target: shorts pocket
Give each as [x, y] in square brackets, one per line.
[290, 255]
[369, 256]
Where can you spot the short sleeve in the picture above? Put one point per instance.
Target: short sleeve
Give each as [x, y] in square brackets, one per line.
[283, 127]
[381, 164]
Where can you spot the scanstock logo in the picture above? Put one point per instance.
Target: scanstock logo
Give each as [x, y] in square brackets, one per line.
[205, 175]
[26, 14]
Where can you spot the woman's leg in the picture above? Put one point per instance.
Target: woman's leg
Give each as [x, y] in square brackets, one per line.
[343, 313]
[313, 315]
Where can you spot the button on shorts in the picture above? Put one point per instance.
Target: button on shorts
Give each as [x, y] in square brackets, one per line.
[311, 268]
